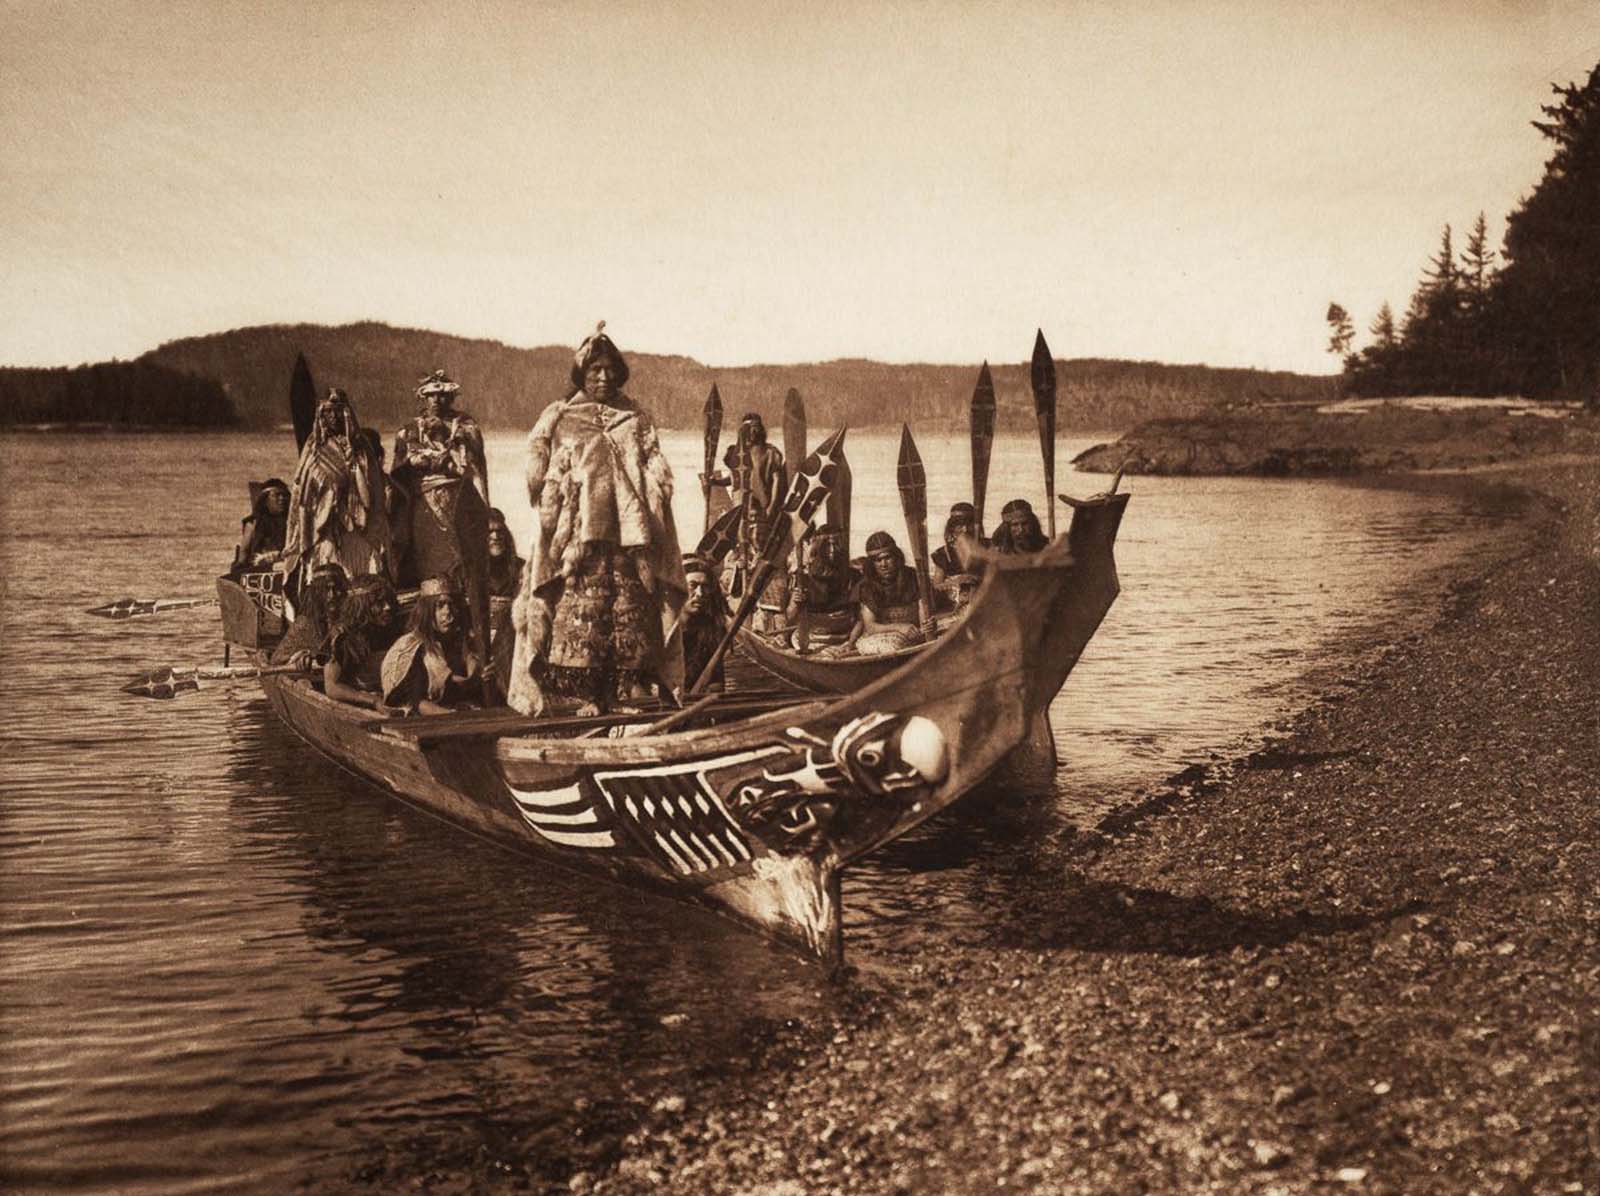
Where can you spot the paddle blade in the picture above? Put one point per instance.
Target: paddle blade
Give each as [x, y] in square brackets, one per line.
[1043, 377]
[912, 479]
[720, 538]
[982, 438]
[713, 428]
[839, 495]
[163, 684]
[794, 428]
[302, 401]
[124, 608]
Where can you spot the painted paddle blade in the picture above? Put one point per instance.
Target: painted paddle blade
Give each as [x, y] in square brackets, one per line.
[1043, 377]
[808, 490]
[794, 428]
[713, 435]
[302, 401]
[135, 608]
[721, 537]
[982, 439]
[839, 495]
[163, 684]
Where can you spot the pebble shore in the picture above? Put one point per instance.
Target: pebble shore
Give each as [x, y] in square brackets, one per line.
[1365, 959]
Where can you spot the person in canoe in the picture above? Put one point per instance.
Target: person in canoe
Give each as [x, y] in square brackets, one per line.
[438, 461]
[705, 620]
[337, 512]
[604, 583]
[264, 530]
[949, 559]
[504, 579]
[823, 602]
[1019, 530]
[887, 618]
[305, 644]
[763, 484]
[434, 666]
[362, 633]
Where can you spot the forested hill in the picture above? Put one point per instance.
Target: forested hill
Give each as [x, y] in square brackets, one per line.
[129, 393]
[506, 387]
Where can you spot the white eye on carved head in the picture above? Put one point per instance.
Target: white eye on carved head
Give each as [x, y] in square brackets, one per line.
[871, 754]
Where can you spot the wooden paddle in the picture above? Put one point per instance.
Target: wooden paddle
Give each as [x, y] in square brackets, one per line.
[721, 538]
[807, 492]
[794, 429]
[1044, 406]
[982, 439]
[137, 608]
[302, 401]
[172, 680]
[839, 498]
[913, 481]
[713, 435]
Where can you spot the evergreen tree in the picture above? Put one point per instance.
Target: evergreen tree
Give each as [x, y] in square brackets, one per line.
[1382, 328]
[1549, 299]
[1340, 331]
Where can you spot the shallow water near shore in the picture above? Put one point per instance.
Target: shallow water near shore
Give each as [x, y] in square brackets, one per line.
[230, 967]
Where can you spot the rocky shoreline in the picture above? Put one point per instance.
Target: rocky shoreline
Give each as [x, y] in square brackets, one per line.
[1364, 959]
[1301, 441]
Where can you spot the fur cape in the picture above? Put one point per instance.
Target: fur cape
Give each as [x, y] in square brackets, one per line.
[595, 472]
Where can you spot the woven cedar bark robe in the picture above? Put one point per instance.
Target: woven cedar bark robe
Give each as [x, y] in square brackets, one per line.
[596, 473]
[337, 512]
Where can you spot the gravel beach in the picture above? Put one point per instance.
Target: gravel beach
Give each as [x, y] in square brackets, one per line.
[1364, 959]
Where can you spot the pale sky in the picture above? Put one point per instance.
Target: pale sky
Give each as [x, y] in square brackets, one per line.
[751, 182]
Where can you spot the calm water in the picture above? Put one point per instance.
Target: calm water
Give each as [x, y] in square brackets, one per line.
[228, 967]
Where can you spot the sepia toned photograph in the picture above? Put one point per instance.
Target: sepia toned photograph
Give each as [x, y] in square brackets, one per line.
[799, 599]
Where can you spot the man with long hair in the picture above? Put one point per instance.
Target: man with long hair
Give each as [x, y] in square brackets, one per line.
[1019, 530]
[604, 582]
[363, 631]
[434, 665]
[337, 507]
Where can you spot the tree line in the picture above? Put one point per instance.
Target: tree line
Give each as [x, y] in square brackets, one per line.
[113, 392]
[1525, 320]
[506, 387]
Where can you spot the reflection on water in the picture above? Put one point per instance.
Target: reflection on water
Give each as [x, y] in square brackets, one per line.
[231, 967]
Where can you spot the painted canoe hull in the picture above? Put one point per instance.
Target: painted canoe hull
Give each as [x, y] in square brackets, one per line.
[252, 609]
[753, 818]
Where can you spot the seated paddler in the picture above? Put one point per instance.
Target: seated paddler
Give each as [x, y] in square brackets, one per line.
[604, 582]
[363, 632]
[960, 534]
[822, 592]
[704, 622]
[434, 667]
[1019, 529]
[305, 644]
[264, 530]
[888, 614]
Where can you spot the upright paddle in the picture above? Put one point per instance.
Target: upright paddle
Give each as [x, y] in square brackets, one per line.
[172, 680]
[302, 402]
[812, 483]
[1043, 376]
[721, 538]
[138, 608]
[913, 483]
[982, 440]
[839, 497]
[794, 429]
[713, 435]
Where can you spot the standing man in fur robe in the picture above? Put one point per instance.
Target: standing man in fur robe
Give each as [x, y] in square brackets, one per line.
[598, 611]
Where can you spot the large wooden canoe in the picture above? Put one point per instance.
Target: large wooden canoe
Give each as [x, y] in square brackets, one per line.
[755, 817]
